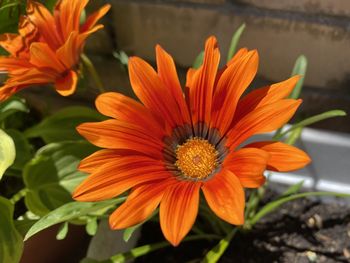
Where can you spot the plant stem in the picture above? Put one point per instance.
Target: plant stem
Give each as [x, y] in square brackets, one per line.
[19, 196]
[215, 254]
[93, 72]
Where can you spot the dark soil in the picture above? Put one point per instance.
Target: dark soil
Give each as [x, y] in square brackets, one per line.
[302, 231]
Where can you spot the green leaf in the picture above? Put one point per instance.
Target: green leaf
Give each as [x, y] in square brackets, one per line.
[62, 231]
[23, 147]
[50, 4]
[198, 60]
[312, 120]
[272, 206]
[293, 189]
[11, 243]
[23, 225]
[129, 231]
[91, 226]
[215, 254]
[7, 152]
[61, 126]
[11, 106]
[52, 175]
[234, 42]
[300, 68]
[71, 211]
[9, 15]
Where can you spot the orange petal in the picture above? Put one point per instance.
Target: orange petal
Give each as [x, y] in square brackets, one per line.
[69, 52]
[42, 56]
[264, 96]
[18, 44]
[283, 157]
[93, 162]
[12, 43]
[201, 92]
[83, 36]
[231, 85]
[248, 165]
[25, 79]
[149, 88]
[167, 73]
[67, 85]
[140, 204]
[45, 23]
[67, 15]
[225, 196]
[117, 134]
[178, 210]
[261, 120]
[94, 17]
[239, 54]
[112, 179]
[189, 77]
[119, 106]
[8, 64]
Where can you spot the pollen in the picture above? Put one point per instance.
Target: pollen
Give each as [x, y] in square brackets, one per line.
[196, 158]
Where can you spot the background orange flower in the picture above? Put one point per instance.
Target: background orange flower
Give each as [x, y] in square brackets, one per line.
[47, 48]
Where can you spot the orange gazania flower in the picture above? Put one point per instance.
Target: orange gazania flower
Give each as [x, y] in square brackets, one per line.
[173, 145]
[47, 48]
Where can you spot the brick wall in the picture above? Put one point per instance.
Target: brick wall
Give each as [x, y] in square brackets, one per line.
[280, 30]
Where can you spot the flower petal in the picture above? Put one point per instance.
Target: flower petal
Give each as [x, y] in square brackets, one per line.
[94, 17]
[27, 78]
[140, 204]
[152, 92]
[167, 73]
[117, 134]
[93, 162]
[67, 15]
[263, 119]
[9, 64]
[69, 52]
[114, 178]
[67, 85]
[239, 54]
[283, 157]
[248, 165]
[42, 56]
[225, 196]
[119, 106]
[178, 210]
[44, 21]
[264, 96]
[201, 91]
[231, 85]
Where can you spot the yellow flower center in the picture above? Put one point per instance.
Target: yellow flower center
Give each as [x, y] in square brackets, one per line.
[196, 158]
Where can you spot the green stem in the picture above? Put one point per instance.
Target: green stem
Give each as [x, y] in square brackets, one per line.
[93, 72]
[19, 196]
[215, 254]
[294, 136]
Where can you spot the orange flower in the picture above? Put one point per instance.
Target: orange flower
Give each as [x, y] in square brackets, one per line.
[48, 47]
[172, 146]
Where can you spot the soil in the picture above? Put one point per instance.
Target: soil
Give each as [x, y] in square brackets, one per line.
[302, 231]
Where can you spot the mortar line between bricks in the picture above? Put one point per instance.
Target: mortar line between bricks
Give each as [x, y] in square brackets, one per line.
[239, 9]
